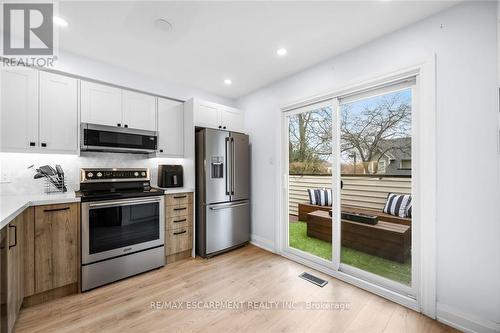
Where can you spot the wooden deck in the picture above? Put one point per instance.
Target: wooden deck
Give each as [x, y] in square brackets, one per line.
[246, 274]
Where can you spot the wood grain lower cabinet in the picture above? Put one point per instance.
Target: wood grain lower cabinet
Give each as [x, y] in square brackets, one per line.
[56, 247]
[178, 226]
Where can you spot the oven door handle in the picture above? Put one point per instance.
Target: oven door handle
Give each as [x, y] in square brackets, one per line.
[123, 202]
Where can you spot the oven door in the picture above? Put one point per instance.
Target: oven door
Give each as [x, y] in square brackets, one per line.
[115, 228]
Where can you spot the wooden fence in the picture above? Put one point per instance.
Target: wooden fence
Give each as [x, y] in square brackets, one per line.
[360, 191]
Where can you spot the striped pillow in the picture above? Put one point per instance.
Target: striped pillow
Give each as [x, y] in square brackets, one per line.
[396, 204]
[408, 209]
[320, 196]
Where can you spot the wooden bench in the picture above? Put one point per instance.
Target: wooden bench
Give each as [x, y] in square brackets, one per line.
[385, 239]
[306, 208]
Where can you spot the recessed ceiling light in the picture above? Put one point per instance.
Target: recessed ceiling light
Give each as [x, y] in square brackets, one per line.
[59, 21]
[228, 82]
[281, 52]
[163, 24]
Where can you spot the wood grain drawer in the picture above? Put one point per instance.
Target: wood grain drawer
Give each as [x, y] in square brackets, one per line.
[179, 210]
[179, 222]
[179, 199]
[178, 240]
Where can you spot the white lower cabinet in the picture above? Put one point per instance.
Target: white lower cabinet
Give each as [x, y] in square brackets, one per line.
[58, 113]
[170, 128]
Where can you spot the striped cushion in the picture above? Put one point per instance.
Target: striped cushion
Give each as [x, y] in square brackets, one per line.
[320, 196]
[408, 209]
[396, 204]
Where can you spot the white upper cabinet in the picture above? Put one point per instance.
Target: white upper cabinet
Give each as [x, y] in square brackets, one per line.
[206, 115]
[139, 110]
[231, 119]
[101, 104]
[58, 113]
[170, 128]
[19, 109]
[212, 115]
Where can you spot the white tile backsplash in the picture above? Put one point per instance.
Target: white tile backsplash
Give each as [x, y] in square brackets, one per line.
[16, 178]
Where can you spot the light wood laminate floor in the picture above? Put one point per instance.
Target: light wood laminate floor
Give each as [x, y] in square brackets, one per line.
[246, 274]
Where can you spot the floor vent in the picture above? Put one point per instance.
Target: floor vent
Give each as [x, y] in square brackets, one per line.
[313, 279]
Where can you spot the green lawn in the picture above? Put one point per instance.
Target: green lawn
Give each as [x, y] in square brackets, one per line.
[390, 269]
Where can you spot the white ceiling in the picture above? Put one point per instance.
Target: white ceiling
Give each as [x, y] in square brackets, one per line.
[211, 41]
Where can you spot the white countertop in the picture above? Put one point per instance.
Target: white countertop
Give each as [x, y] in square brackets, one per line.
[13, 205]
[174, 190]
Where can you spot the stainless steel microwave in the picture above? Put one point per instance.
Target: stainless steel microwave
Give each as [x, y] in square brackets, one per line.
[115, 139]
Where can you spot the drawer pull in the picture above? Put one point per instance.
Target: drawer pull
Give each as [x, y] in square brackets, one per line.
[180, 232]
[180, 197]
[177, 221]
[15, 236]
[182, 208]
[55, 209]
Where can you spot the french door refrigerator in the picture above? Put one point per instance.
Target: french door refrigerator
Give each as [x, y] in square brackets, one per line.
[222, 191]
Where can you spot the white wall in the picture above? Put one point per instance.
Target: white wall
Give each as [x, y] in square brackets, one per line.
[468, 196]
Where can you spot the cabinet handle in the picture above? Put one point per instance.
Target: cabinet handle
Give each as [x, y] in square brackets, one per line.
[15, 236]
[177, 221]
[180, 197]
[180, 232]
[55, 209]
[182, 208]
[44, 144]
[126, 126]
[119, 125]
[32, 144]
[224, 127]
[220, 126]
[161, 150]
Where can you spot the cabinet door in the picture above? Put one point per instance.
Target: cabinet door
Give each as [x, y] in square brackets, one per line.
[56, 246]
[19, 109]
[232, 119]
[101, 104]
[206, 115]
[139, 111]
[170, 127]
[15, 269]
[58, 113]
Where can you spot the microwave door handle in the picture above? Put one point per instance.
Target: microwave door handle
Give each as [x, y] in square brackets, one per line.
[228, 176]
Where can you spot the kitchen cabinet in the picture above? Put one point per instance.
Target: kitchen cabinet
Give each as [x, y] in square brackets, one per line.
[111, 106]
[58, 113]
[56, 246]
[101, 104]
[170, 128]
[139, 110]
[19, 110]
[212, 115]
[15, 270]
[178, 226]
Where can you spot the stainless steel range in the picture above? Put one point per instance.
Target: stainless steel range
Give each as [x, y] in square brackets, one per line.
[122, 225]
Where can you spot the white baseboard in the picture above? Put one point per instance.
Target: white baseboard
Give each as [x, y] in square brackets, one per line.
[262, 243]
[465, 321]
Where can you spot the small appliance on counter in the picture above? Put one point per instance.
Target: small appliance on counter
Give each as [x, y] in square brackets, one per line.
[170, 176]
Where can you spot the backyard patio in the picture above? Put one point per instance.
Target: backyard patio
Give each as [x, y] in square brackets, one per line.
[362, 247]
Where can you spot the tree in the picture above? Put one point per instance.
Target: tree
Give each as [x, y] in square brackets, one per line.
[367, 131]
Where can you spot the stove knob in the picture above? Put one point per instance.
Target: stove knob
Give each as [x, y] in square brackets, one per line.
[99, 174]
[143, 174]
[136, 174]
[90, 175]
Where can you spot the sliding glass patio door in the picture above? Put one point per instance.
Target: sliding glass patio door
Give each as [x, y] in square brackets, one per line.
[308, 138]
[348, 185]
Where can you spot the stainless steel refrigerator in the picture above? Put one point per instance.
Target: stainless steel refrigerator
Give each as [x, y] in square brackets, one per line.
[222, 191]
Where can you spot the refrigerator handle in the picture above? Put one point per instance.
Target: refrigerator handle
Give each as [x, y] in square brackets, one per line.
[229, 167]
[233, 163]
